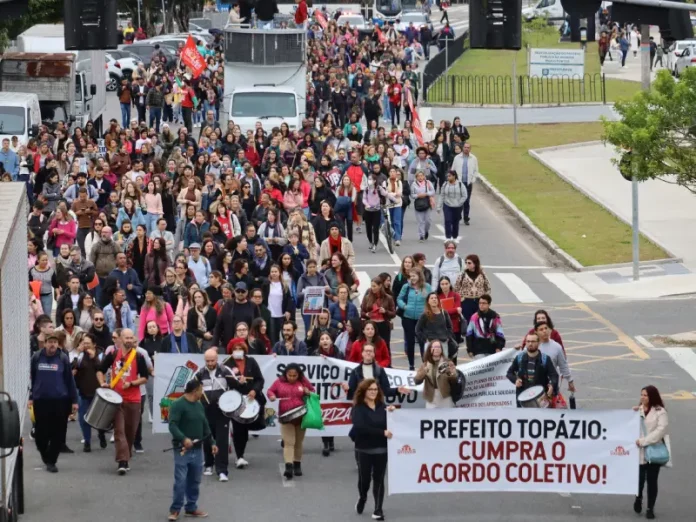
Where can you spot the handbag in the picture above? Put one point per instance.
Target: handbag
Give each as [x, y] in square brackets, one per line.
[422, 204]
[313, 419]
[656, 453]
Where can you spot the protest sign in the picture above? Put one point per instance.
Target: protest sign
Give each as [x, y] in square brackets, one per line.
[313, 303]
[173, 371]
[457, 449]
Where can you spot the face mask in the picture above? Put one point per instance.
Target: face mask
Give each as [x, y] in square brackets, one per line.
[238, 354]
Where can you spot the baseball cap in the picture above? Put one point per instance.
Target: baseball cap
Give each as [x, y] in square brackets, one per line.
[241, 285]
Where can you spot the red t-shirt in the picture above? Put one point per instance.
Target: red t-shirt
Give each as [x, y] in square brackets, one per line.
[131, 394]
[187, 100]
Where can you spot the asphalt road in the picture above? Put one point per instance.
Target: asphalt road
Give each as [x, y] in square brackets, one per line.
[609, 364]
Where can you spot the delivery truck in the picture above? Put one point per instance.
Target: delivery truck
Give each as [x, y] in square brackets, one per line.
[90, 67]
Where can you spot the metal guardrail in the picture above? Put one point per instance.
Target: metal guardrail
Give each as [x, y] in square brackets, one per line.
[532, 90]
[438, 64]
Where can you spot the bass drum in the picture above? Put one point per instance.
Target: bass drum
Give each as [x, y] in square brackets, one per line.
[102, 411]
[248, 413]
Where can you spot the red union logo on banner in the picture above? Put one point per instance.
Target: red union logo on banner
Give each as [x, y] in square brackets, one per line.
[406, 450]
[192, 58]
[620, 451]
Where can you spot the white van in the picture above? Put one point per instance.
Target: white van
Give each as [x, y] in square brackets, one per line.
[549, 8]
[20, 115]
[269, 105]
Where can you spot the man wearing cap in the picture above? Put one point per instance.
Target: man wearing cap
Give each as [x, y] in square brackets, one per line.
[53, 396]
[199, 265]
[189, 428]
[73, 190]
[86, 210]
[240, 310]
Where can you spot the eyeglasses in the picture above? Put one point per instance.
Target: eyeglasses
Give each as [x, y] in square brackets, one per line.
[240, 291]
[98, 319]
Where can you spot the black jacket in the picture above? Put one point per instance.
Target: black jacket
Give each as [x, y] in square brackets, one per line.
[256, 383]
[380, 376]
[369, 426]
[231, 314]
[213, 388]
[192, 322]
[544, 372]
[64, 303]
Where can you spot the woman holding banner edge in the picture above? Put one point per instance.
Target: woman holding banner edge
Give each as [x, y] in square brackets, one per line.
[370, 435]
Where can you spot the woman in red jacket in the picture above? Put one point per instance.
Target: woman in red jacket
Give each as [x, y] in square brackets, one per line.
[444, 291]
[370, 336]
[291, 388]
[394, 93]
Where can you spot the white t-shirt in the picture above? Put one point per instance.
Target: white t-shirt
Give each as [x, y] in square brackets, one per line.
[367, 371]
[275, 299]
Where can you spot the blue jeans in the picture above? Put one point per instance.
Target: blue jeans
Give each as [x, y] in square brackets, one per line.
[452, 217]
[125, 115]
[188, 470]
[386, 109]
[395, 216]
[155, 117]
[46, 303]
[151, 222]
[84, 404]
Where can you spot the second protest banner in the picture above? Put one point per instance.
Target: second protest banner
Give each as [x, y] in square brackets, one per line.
[456, 449]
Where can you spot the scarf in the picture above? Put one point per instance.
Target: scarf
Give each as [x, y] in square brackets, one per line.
[335, 244]
[485, 321]
[202, 326]
[63, 261]
[184, 343]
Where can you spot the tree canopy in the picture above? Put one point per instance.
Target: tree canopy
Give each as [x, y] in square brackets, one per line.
[656, 132]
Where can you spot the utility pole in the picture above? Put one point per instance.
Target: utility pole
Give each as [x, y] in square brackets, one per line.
[514, 97]
[645, 84]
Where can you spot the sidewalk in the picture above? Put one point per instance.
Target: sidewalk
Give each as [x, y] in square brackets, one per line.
[667, 217]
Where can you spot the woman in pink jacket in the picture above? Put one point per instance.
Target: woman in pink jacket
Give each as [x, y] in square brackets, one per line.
[291, 389]
[155, 309]
[64, 228]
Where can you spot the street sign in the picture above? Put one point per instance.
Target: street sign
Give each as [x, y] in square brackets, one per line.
[549, 63]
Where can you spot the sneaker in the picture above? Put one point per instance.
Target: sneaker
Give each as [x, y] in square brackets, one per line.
[122, 468]
[65, 449]
[378, 515]
[241, 463]
[467, 222]
[138, 448]
[196, 514]
[32, 433]
[649, 514]
[427, 235]
[127, 466]
[420, 240]
[325, 451]
[208, 471]
[456, 241]
[82, 441]
[222, 477]
[102, 441]
[173, 515]
[87, 448]
[638, 505]
[360, 505]
[51, 468]
[358, 229]
[397, 243]
[112, 439]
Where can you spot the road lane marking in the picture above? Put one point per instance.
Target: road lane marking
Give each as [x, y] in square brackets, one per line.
[684, 357]
[364, 285]
[627, 340]
[519, 288]
[568, 286]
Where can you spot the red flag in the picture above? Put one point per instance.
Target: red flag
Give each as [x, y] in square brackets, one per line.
[380, 35]
[415, 123]
[192, 58]
[321, 19]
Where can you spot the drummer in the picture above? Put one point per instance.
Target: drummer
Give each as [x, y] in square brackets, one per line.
[128, 372]
[85, 367]
[291, 388]
[250, 377]
[216, 380]
[532, 368]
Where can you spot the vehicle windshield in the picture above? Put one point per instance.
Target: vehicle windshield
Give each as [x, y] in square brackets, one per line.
[352, 20]
[416, 18]
[264, 104]
[388, 6]
[12, 120]
[203, 23]
[78, 87]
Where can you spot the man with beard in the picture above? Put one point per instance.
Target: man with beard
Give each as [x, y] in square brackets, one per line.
[290, 344]
[239, 310]
[128, 372]
[72, 193]
[253, 239]
[484, 335]
[260, 265]
[533, 368]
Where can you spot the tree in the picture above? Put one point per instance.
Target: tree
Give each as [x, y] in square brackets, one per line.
[656, 132]
[38, 12]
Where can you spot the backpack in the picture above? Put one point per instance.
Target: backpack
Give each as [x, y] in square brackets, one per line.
[521, 355]
[441, 260]
[457, 387]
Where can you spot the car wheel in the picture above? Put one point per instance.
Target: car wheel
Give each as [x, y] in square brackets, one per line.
[113, 83]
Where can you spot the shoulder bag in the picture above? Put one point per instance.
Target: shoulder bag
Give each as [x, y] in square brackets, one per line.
[656, 453]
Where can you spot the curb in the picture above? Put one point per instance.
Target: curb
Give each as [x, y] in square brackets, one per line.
[537, 156]
[524, 107]
[529, 225]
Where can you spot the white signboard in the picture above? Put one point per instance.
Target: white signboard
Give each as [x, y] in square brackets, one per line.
[464, 450]
[547, 63]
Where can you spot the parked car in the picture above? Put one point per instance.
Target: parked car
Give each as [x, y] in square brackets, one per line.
[127, 61]
[675, 51]
[686, 59]
[418, 18]
[144, 49]
[114, 74]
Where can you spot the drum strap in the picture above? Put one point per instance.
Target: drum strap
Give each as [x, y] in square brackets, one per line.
[124, 368]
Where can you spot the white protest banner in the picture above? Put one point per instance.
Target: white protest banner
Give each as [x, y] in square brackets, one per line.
[313, 303]
[569, 451]
[486, 386]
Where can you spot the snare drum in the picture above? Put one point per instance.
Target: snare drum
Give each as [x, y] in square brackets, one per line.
[248, 412]
[102, 411]
[293, 415]
[534, 397]
[229, 402]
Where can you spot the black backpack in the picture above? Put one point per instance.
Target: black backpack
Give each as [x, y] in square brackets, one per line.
[457, 387]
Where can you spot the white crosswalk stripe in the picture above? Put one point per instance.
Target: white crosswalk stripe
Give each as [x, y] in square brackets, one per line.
[521, 290]
[569, 287]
